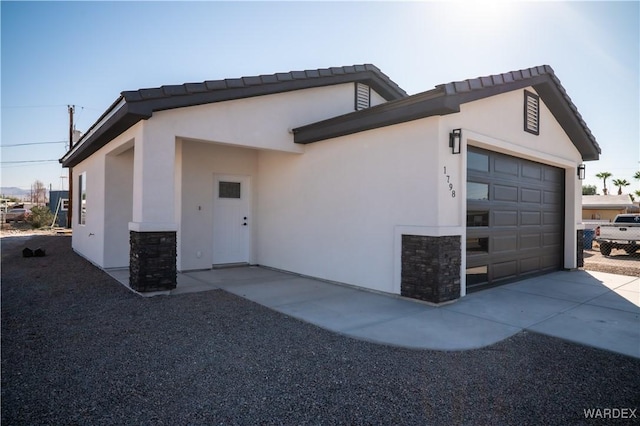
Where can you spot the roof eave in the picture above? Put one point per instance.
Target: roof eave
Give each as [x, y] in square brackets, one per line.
[415, 107]
[121, 120]
[450, 97]
[141, 104]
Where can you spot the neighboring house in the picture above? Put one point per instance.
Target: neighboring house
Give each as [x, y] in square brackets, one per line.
[337, 174]
[606, 207]
[59, 205]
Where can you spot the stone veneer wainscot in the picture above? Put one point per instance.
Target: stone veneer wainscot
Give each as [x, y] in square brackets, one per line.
[431, 268]
[152, 265]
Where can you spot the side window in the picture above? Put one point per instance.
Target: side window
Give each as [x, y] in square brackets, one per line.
[82, 198]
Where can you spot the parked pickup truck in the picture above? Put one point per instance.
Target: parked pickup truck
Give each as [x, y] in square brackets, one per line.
[623, 233]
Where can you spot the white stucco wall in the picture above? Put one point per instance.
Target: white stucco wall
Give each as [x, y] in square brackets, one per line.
[90, 239]
[375, 98]
[332, 212]
[118, 206]
[200, 162]
[260, 122]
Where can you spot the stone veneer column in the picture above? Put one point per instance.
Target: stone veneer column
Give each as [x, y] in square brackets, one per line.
[580, 239]
[152, 263]
[431, 268]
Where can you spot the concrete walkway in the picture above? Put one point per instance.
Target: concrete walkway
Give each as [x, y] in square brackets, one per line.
[591, 308]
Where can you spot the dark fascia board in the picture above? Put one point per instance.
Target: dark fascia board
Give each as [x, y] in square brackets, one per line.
[115, 125]
[141, 104]
[412, 108]
[447, 98]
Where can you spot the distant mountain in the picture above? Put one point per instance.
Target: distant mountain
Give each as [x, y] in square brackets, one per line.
[12, 191]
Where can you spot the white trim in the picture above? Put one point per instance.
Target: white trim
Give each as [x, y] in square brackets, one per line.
[471, 138]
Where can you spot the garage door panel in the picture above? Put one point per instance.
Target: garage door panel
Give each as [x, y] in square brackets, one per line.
[530, 218]
[529, 241]
[552, 198]
[528, 265]
[506, 165]
[504, 270]
[550, 262]
[523, 218]
[504, 243]
[505, 193]
[552, 218]
[554, 175]
[552, 239]
[532, 171]
[528, 195]
[505, 218]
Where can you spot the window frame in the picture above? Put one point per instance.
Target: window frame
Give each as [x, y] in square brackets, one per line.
[82, 198]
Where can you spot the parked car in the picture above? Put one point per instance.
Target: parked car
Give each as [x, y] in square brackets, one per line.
[17, 215]
[623, 233]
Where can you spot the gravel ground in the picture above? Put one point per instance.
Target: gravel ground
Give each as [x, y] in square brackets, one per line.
[618, 262]
[78, 348]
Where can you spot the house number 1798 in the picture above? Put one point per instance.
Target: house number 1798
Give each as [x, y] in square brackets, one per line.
[453, 191]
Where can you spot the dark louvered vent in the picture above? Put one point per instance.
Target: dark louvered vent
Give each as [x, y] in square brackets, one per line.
[363, 98]
[531, 113]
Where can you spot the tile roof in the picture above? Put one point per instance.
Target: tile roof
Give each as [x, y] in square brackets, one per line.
[447, 98]
[389, 89]
[135, 105]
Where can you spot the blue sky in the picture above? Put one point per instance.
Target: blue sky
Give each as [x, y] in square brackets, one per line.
[86, 53]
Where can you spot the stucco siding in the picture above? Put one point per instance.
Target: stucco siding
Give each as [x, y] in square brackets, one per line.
[259, 122]
[89, 239]
[118, 207]
[331, 212]
[501, 117]
[200, 161]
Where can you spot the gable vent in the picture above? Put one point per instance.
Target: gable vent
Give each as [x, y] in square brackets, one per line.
[531, 113]
[363, 96]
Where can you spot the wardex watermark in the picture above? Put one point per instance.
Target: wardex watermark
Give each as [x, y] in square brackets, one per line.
[610, 413]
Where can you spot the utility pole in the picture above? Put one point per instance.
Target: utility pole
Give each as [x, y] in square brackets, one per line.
[72, 109]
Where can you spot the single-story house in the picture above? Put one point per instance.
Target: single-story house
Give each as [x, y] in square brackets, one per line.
[606, 207]
[336, 174]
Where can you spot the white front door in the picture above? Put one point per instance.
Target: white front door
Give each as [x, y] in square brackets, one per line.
[231, 219]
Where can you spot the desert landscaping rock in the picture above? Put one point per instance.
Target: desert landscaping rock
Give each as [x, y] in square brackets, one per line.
[79, 348]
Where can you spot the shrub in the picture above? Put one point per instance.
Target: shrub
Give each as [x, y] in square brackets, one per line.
[40, 216]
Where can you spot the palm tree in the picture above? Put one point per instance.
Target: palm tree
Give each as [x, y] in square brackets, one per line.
[637, 175]
[620, 183]
[604, 176]
[638, 194]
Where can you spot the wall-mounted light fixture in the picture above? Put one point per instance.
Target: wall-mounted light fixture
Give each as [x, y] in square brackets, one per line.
[581, 171]
[455, 138]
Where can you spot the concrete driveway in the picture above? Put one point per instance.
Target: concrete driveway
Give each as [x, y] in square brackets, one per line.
[592, 308]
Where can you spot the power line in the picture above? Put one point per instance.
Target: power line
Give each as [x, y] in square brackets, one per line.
[45, 106]
[32, 143]
[31, 106]
[27, 161]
